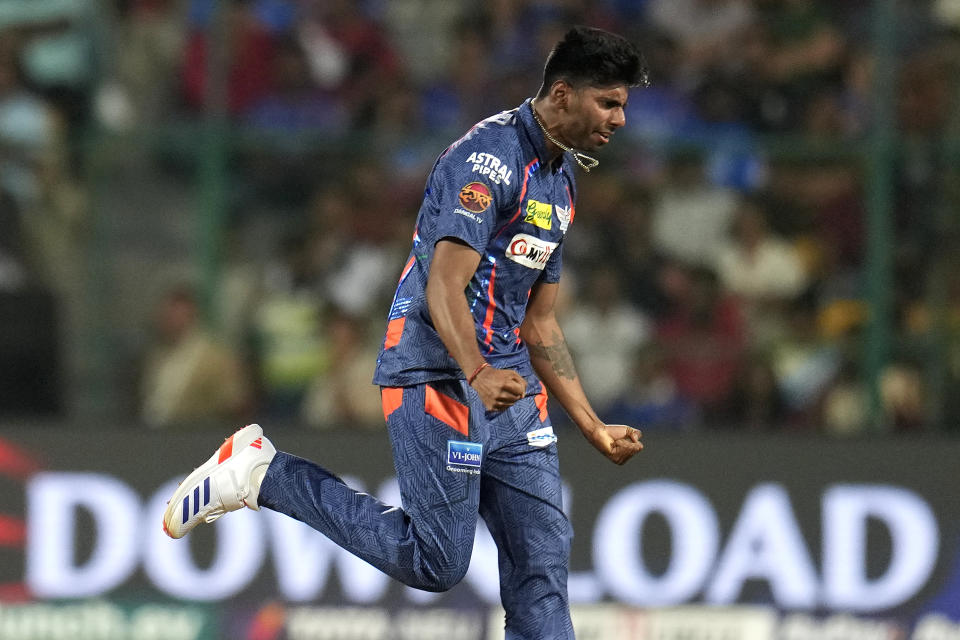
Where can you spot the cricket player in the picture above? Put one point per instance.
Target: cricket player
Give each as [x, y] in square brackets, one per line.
[471, 349]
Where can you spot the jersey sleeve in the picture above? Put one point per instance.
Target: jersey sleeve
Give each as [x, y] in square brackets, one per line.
[551, 271]
[473, 185]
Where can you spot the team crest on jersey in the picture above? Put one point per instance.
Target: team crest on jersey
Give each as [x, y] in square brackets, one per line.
[530, 251]
[475, 197]
[563, 215]
[539, 214]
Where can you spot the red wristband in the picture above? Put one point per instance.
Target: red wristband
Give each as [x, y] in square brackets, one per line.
[476, 372]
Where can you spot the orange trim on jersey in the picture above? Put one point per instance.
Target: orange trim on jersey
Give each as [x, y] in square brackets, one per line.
[407, 267]
[447, 410]
[491, 307]
[523, 193]
[573, 211]
[541, 400]
[226, 450]
[391, 398]
[394, 332]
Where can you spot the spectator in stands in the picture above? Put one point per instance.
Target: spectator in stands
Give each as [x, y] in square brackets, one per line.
[373, 241]
[39, 187]
[287, 326]
[465, 89]
[796, 48]
[702, 339]
[618, 228]
[249, 59]
[764, 271]
[188, 379]
[809, 367]
[707, 32]
[651, 397]
[351, 51]
[343, 395]
[690, 214]
[427, 36]
[295, 103]
[845, 403]
[151, 36]
[296, 107]
[605, 333]
[821, 203]
[903, 396]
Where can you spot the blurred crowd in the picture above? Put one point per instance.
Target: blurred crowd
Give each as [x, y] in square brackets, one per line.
[716, 274]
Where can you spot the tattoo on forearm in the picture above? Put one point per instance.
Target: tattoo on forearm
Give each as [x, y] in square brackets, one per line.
[557, 354]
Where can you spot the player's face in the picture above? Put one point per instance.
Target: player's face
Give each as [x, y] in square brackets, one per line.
[594, 114]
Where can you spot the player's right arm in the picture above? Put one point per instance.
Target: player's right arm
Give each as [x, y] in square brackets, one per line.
[453, 265]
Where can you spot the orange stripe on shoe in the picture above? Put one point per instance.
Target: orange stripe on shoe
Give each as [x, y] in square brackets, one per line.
[447, 410]
[257, 444]
[394, 332]
[226, 450]
[391, 398]
[541, 401]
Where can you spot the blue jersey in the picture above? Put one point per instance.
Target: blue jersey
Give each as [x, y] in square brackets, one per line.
[495, 190]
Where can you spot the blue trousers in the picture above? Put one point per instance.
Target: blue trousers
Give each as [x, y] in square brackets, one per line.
[454, 460]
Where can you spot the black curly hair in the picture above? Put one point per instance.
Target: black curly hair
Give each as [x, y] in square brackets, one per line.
[593, 57]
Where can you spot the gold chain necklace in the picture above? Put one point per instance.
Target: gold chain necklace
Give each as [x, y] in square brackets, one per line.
[585, 161]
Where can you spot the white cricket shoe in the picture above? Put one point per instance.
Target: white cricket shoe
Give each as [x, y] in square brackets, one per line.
[229, 480]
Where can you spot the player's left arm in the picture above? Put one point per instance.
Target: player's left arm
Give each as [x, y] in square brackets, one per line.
[553, 363]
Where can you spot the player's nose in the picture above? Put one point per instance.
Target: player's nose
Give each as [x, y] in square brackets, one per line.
[618, 118]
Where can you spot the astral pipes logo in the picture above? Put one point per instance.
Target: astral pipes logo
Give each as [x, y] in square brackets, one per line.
[530, 251]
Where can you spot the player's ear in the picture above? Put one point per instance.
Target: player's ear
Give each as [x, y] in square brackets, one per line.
[560, 92]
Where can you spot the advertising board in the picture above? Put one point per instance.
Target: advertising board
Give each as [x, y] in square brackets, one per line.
[813, 532]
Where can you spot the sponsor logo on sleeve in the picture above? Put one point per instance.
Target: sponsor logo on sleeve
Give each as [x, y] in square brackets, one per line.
[475, 197]
[530, 251]
[467, 214]
[539, 214]
[490, 166]
[464, 457]
[541, 437]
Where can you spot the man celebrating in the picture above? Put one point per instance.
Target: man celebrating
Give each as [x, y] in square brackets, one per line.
[472, 345]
